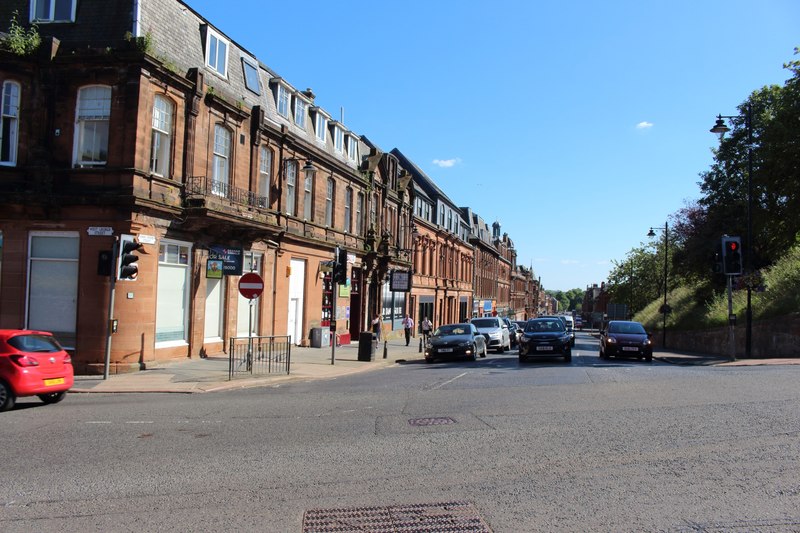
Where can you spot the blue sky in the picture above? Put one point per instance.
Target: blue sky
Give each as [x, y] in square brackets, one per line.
[577, 124]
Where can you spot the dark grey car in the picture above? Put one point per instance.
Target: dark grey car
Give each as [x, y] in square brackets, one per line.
[455, 341]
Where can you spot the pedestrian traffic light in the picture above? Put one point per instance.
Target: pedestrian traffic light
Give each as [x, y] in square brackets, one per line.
[340, 266]
[732, 256]
[127, 269]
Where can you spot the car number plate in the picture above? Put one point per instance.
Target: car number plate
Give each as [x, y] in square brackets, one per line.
[544, 348]
[54, 381]
[445, 350]
[630, 349]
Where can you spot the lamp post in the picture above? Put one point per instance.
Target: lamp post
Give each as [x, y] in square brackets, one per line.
[720, 128]
[664, 308]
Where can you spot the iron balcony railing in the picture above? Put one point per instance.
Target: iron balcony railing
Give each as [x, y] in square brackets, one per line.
[250, 356]
[202, 186]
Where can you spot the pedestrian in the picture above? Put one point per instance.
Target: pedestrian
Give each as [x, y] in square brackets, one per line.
[427, 327]
[408, 325]
[376, 327]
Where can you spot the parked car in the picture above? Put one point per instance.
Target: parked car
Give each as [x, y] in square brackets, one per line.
[32, 363]
[495, 331]
[512, 331]
[454, 341]
[621, 337]
[578, 323]
[545, 337]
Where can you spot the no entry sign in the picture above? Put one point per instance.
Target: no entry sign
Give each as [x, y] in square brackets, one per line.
[251, 285]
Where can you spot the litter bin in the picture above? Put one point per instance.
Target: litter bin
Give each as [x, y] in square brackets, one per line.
[320, 337]
[367, 345]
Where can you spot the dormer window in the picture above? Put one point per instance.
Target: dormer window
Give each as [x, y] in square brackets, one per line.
[338, 139]
[352, 148]
[300, 107]
[283, 101]
[321, 126]
[217, 53]
[53, 10]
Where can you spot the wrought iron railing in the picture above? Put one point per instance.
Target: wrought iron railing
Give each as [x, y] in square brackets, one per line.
[203, 186]
[259, 356]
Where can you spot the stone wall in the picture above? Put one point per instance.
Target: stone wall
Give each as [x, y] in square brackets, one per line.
[776, 337]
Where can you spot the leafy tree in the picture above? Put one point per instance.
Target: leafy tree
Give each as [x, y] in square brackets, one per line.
[775, 180]
[570, 300]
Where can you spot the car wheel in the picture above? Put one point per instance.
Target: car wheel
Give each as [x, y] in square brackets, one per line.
[429, 360]
[7, 398]
[568, 356]
[648, 358]
[474, 352]
[53, 397]
[522, 358]
[501, 348]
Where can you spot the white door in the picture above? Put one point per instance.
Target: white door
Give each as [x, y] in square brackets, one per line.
[215, 309]
[297, 282]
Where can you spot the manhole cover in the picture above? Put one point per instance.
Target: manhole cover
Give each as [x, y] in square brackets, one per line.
[454, 517]
[435, 421]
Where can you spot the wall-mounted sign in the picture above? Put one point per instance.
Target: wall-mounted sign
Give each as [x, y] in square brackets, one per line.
[400, 281]
[103, 231]
[228, 260]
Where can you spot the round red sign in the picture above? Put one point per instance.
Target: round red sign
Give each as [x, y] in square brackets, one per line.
[251, 285]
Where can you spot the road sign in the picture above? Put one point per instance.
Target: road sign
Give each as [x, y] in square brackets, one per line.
[251, 285]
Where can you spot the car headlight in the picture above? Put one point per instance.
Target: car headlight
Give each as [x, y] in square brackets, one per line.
[611, 340]
[647, 342]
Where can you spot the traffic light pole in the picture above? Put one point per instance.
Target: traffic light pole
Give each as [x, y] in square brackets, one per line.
[731, 328]
[113, 277]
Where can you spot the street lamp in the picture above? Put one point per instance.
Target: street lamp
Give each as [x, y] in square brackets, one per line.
[720, 128]
[664, 308]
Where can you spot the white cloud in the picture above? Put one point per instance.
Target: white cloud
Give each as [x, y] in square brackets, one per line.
[446, 163]
[644, 125]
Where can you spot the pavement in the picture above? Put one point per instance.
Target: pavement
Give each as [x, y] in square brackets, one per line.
[210, 374]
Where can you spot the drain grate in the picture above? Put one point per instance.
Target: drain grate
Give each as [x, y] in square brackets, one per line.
[435, 421]
[456, 517]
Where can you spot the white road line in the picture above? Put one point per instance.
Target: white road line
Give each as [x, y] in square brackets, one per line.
[440, 385]
[139, 422]
[99, 422]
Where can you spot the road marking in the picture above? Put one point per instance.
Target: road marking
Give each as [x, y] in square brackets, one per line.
[440, 385]
[139, 422]
[99, 422]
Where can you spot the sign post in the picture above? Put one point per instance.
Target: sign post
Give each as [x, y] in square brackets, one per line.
[250, 286]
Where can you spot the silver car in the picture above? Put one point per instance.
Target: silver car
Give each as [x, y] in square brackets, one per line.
[495, 331]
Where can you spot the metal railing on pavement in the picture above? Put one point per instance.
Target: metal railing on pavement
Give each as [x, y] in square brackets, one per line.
[250, 356]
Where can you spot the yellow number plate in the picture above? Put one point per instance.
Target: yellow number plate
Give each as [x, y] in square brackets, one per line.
[54, 381]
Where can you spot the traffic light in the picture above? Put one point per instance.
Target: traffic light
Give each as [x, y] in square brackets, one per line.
[340, 266]
[732, 256]
[127, 270]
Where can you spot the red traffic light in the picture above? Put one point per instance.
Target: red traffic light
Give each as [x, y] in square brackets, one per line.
[733, 246]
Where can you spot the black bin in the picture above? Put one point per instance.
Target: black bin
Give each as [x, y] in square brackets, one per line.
[367, 344]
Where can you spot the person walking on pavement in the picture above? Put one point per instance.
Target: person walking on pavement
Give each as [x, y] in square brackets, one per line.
[408, 324]
[427, 327]
[376, 327]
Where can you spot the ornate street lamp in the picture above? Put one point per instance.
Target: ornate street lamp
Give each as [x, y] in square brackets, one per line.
[665, 307]
[720, 128]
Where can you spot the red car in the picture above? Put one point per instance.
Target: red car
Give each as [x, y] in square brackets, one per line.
[32, 363]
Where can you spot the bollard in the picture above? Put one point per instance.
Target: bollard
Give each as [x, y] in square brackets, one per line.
[385, 353]
[420, 345]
